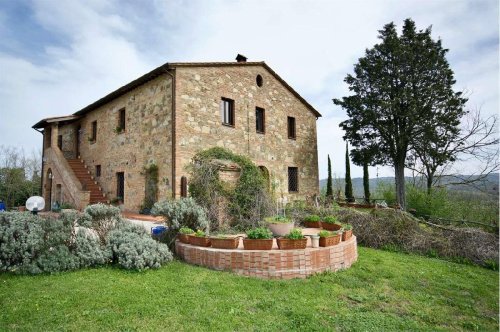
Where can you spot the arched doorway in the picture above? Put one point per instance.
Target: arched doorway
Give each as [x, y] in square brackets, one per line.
[265, 174]
[48, 190]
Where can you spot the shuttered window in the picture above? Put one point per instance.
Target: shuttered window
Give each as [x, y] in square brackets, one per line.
[293, 179]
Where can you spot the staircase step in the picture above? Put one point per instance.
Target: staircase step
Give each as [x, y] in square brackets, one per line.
[88, 182]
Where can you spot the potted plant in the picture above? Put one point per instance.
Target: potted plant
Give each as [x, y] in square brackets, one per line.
[225, 241]
[346, 235]
[293, 240]
[184, 233]
[330, 223]
[312, 221]
[259, 238]
[279, 225]
[328, 238]
[199, 239]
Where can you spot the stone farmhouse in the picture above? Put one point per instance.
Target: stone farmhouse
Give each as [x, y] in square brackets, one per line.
[100, 153]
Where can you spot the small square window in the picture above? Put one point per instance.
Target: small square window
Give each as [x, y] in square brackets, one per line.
[97, 171]
[260, 120]
[291, 128]
[293, 179]
[227, 111]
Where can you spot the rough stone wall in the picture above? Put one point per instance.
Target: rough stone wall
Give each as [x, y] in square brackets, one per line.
[198, 123]
[146, 140]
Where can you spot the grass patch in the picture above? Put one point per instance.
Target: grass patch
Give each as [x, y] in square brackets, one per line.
[382, 291]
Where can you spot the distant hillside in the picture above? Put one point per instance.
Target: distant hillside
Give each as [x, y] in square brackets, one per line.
[490, 185]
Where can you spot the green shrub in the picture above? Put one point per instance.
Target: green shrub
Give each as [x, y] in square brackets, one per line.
[134, 249]
[295, 234]
[325, 233]
[331, 220]
[66, 205]
[54, 259]
[199, 233]
[312, 218]
[184, 212]
[260, 233]
[186, 230]
[102, 219]
[277, 220]
[347, 227]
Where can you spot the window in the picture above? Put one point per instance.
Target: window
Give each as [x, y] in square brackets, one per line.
[93, 138]
[120, 185]
[184, 189]
[293, 179]
[259, 81]
[97, 171]
[227, 111]
[59, 142]
[291, 128]
[121, 120]
[260, 120]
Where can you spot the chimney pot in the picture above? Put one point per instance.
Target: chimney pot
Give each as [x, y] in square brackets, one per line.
[241, 58]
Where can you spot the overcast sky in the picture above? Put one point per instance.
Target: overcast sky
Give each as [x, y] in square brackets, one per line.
[58, 56]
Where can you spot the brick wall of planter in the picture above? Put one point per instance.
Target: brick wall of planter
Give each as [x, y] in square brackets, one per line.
[272, 264]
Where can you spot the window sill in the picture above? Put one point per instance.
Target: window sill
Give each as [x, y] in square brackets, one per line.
[261, 132]
[228, 125]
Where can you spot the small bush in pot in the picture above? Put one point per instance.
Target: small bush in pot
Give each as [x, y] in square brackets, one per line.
[330, 223]
[225, 241]
[312, 221]
[184, 233]
[347, 233]
[259, 238]
[279, 225]
[329, 238]
[293, 240]
[199, 238]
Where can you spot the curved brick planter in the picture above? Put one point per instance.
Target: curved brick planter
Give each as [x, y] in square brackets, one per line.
[275, 263]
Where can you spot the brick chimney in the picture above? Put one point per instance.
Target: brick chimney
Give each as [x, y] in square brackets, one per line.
[241, 58]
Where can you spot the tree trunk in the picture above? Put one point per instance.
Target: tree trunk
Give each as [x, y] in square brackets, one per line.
[430, 178]
[400, 185]
[366, 182]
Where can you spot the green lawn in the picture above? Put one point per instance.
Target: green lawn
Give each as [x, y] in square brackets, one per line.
[382, 291]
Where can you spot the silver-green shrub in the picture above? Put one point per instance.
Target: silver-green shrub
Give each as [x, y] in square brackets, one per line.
[181, 213]
[88, 250]
[133, 248]
[102, 219]
[21, 238]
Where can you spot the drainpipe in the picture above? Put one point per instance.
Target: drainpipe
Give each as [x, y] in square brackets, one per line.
[173, 182]
[43, 156]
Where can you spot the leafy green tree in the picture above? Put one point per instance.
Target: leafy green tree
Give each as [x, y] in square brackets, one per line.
[401, 88]
[348, 182]
[329, 185]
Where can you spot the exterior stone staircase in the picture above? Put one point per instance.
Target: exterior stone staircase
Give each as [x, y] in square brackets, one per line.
[87, 180]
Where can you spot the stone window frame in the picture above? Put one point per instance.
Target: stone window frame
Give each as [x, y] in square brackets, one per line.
[293, 179]
[257, 129]
[122, 120]
[93, 131]
[291, 127]
[230, 113]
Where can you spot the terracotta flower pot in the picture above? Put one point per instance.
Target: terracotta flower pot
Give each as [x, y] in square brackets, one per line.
[312, 224]
[331, 227]
[346, 235]
[258, 244]
[289, 244]
[200, 241]
[280, 229]
[329, 241]
[184, 238]
[230, 243]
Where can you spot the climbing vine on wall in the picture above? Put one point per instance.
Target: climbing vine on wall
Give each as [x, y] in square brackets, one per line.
[150, 187]
[247, 202]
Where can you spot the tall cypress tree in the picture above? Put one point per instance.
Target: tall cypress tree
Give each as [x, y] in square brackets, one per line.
[348, 182]
[402, 90]
[366, 182]
[329, 187]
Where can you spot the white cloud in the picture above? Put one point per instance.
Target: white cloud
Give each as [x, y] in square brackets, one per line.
[312, 45]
